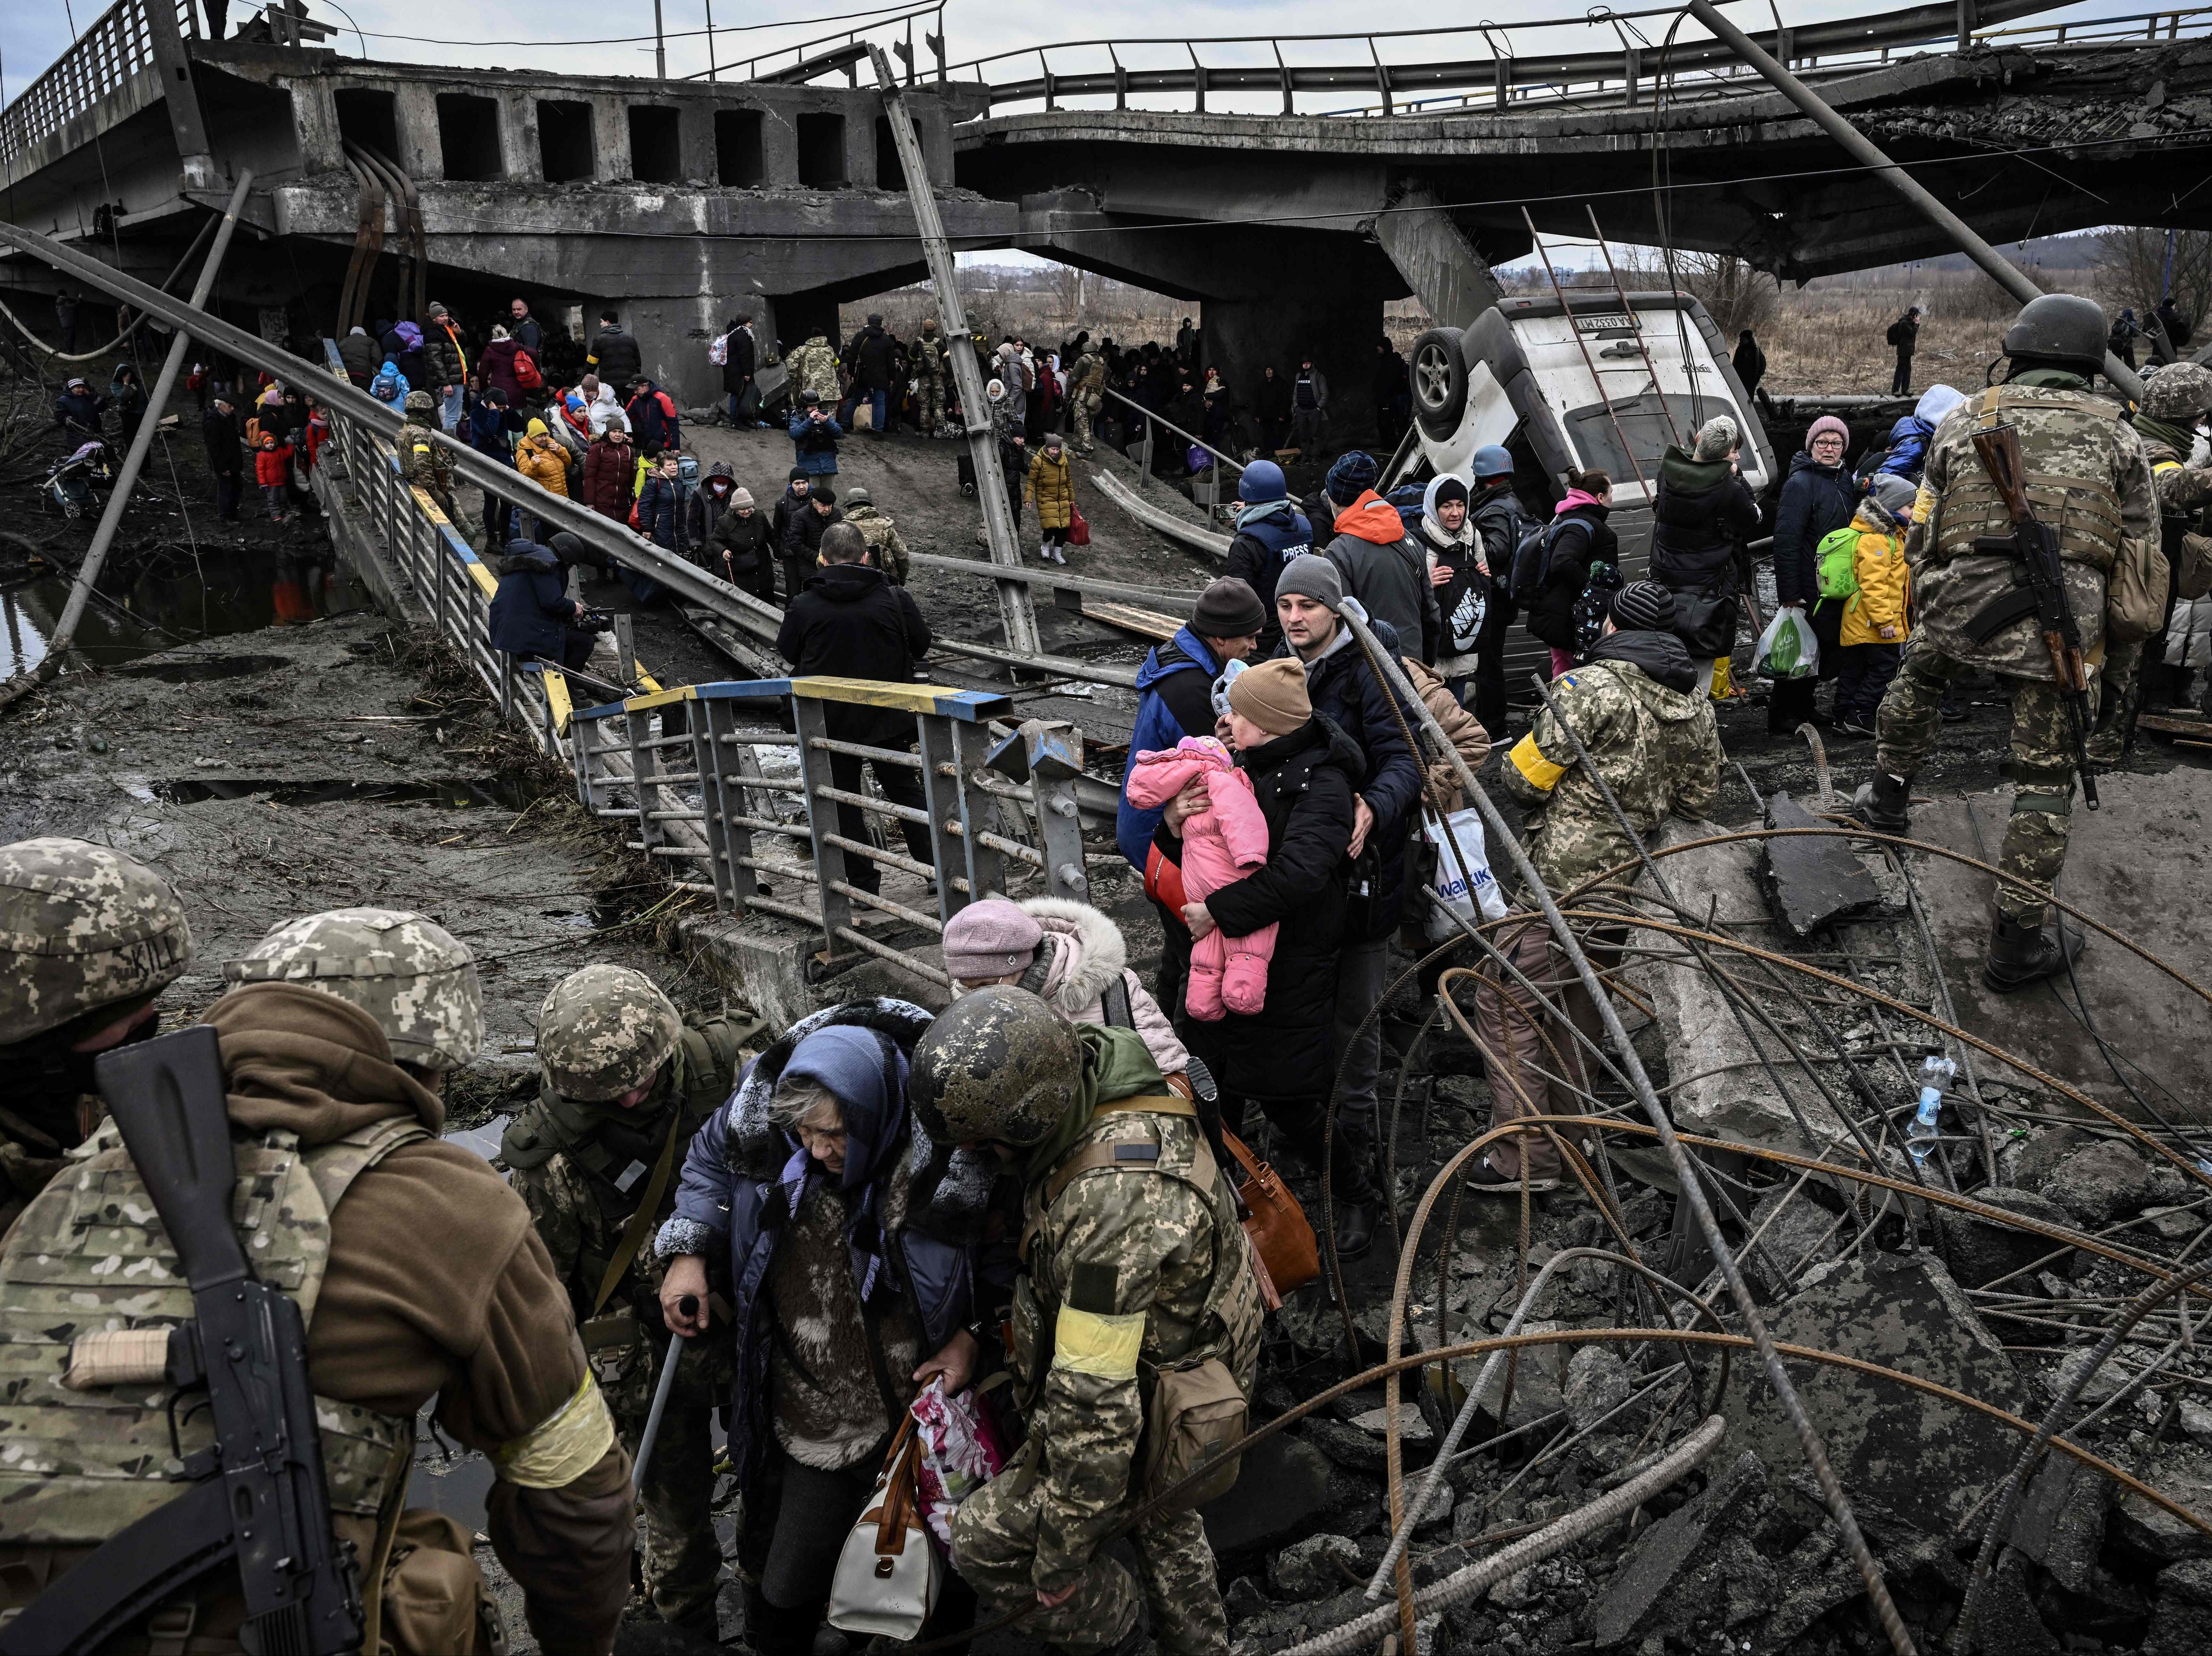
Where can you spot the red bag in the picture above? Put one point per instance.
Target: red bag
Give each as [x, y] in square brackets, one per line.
[1078, 527]
[525, 372]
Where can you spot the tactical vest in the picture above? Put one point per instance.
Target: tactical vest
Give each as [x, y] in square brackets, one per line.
[619, 1166]
[2084, 513]
[90, 1255]
[1212, 1334]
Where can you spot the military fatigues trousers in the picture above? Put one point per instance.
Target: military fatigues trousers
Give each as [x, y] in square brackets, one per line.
[933, 404]
[681, 1559]
[1911, 721]
[2118, 701]
[994, 1549]
[1085, 405]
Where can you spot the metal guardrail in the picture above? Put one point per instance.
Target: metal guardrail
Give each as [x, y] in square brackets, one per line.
[1509, 78]
[630, 764]
[847, 51]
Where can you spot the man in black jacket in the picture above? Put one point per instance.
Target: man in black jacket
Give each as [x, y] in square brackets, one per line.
[1309, 598]
[851, 623]
[614, 355]
[799, 543]
[226, 455]
[740, 362]
[870, 354]
[1904, 335]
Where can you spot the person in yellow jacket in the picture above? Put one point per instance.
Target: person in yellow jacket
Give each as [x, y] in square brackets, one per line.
[542, 458]
[1872, 640]
[1051, 484]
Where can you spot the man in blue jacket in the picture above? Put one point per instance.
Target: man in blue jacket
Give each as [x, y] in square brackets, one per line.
[1309, 602]
[1174, 699]
[531, 614]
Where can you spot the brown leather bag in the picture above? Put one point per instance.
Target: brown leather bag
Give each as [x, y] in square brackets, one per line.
[1285, 1255]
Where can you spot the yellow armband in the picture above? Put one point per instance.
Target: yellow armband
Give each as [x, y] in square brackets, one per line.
[1085, 1342]
[1528, 759]
[561, 1447]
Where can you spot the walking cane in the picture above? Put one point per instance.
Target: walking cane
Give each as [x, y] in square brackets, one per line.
[689, 1305]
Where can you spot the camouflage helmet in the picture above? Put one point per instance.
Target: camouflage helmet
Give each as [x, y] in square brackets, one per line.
[2058, 327]
[2178, 392]
[419, 399]
[412, 976]
[603, 1031]
[82, 927]
[998, 1065]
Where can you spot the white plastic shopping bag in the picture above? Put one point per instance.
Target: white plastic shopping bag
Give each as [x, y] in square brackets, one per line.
[1461, 881]
[1788, 649]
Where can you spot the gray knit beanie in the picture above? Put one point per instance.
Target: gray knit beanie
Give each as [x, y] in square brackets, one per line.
[1311, 575]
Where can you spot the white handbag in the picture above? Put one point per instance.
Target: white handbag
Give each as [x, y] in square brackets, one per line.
[888, 1573]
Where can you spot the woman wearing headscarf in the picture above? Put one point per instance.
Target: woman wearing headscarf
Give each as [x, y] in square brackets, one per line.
[846, 1245]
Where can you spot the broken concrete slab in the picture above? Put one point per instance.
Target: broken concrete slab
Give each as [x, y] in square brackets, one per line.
[1928, 1464]
[1812, 881]
[2101, 1183]
[1315, 1567]
[1981, 1250]
[2181, 1619]
[1695, 1568]
[2060, 1521]
[2183, 1474]
[1598, 1382]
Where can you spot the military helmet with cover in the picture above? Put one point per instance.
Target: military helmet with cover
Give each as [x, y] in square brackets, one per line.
[603, 1031]
[412, 976]
[419, 400]
[2178, 392]
[82, 927]
[2058, 327]
[999, 1065]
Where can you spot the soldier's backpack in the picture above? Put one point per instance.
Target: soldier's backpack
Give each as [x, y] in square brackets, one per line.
[1837, 555]
[1532, 562]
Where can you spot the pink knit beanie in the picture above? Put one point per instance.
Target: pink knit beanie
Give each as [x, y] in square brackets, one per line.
[990, 939]
[1825, 423]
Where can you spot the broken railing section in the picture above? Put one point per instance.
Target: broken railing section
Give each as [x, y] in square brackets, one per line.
[714, 776]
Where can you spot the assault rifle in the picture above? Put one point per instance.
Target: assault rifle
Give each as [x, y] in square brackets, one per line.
[2040, 590]
[255, 1498]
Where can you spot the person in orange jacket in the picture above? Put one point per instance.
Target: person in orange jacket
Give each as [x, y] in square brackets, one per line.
[272, 469]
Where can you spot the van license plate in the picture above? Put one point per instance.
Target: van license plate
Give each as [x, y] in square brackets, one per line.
[1614, 322]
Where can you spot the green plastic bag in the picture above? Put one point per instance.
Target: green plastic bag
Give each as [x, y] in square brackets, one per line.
[1788, 649]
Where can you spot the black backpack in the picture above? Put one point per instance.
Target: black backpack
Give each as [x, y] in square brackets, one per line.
[1532, 562]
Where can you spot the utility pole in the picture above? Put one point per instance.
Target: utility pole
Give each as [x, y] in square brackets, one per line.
[712, 74]
[1014, 604]
[660, 46]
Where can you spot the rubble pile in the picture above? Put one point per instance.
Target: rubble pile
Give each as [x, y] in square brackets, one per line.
[1936, 1294]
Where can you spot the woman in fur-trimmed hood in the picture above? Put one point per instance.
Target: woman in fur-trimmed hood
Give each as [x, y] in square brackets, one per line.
[847, 1247]
[1067, 954]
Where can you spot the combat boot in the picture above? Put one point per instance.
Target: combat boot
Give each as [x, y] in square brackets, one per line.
[2022, 954]
[1885, 803]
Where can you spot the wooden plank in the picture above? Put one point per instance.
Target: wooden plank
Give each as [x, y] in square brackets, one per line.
[2173, 725]
[1149, 624]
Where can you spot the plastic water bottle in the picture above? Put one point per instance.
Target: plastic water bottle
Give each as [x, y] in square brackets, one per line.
[1937, 1073]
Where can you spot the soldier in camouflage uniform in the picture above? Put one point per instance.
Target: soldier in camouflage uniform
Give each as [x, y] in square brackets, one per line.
[419, 1281]
[879, 530]
[624, 1082]
[1086, 391]
[1651, 737]
[2175, 400]
[421, 461]
[931, 370]
[813, 367]
[2090, 484]
[88, 938]
[1133, 1264]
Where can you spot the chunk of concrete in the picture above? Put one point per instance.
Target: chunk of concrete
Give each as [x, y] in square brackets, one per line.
[1598, 1382]
[1812, 881]
[1889, 1443]
[1982, 1249]
[2183, 1474]
[2101, 1183]
[2181, 1619]
[1280, 1496]
[2060, 1521]
[1694, 1568]
[1315, 1567]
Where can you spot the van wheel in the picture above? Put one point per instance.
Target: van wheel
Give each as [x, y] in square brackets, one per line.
[1439, 376]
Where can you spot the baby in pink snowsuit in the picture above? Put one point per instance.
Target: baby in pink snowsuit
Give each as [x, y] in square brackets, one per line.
[1220, 846]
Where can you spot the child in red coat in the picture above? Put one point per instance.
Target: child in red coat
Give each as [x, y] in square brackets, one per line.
[272, 469]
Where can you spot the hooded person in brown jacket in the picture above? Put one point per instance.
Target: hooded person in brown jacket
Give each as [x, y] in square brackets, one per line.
[434, 1285]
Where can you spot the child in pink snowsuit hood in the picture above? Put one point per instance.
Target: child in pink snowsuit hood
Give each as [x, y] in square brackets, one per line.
[1220, 846]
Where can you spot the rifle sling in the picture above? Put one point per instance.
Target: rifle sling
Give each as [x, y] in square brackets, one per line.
[128, 1575]
[641, 1220]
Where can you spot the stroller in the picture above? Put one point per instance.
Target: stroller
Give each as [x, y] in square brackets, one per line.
[70, 481]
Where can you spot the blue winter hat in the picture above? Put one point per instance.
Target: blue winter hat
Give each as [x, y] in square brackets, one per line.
[1353, 476]
[1262, 482]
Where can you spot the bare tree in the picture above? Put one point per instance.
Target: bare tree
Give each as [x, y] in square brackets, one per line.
[2133, 269]
[1735, 293]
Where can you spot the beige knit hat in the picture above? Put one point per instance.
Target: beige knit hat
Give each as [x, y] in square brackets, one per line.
[1273, 696]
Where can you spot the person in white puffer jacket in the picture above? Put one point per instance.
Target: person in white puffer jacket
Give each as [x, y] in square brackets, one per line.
[1069, 954]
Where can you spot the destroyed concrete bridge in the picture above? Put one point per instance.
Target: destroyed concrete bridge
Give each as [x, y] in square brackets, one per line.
[682, 199]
